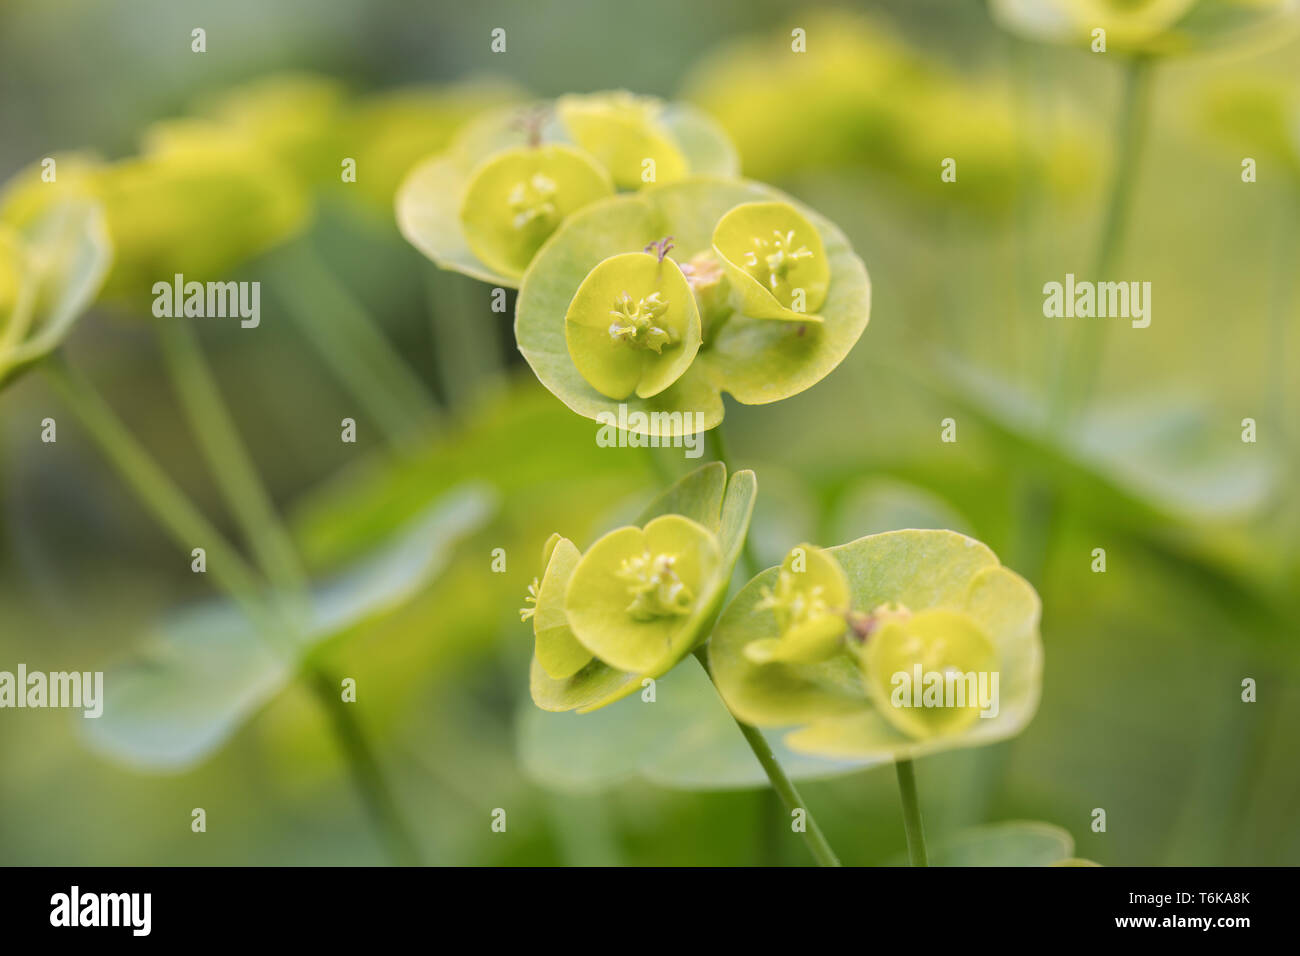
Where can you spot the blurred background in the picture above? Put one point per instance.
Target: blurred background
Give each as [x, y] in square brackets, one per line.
[1141, 710]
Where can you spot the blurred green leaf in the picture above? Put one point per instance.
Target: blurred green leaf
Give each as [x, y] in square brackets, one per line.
[1018, 843]
[207, 669]
[685, 739]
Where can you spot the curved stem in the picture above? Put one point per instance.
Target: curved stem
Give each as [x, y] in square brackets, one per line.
[784, 787]
[911, 813]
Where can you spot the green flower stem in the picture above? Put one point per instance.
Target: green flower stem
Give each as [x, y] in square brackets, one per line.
[467, 343]
[248, 499]
[354, 348]
[718, 448]
[784, 787]
[236, 476]
[1073, 383]
[911, 814]
[158, 493]
[366, 772]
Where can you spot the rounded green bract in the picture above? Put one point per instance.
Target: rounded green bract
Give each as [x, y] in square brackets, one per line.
[753, 358]
[626, 134]
[810, 601]
[613, 132]
[916, 668]
[633, 325]
[517, 198]
[641, 598]
[635, 590]
[775, 260]
[933, 607]
[558, 652]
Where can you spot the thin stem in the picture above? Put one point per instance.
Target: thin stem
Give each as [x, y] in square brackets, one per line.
[1077, 368]
[354, 348]
[911, 814]
[156, 491]
[785, 789]
[366, 772]
[467, 337]
[228, 458]
[248, 499]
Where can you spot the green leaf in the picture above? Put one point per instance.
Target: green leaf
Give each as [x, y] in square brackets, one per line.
[1018, 843]
[206, 669]
[198, 677]
[697, 495]
[685, 739]
[755, 360]
[828, 703]
[1170, 460]
[404, 564]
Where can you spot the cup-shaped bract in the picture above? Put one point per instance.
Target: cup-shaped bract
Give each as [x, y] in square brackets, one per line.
[810, 601]
[1150, 27]
[626, 134]
[517, 198]
[942, 651]
[641, 597]
[50, 272]
[389, 132]
[632, 599]
[774, 259]
[633, 325]
[899, 661]
[754, 359]
[557, 650]
[608, 130]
